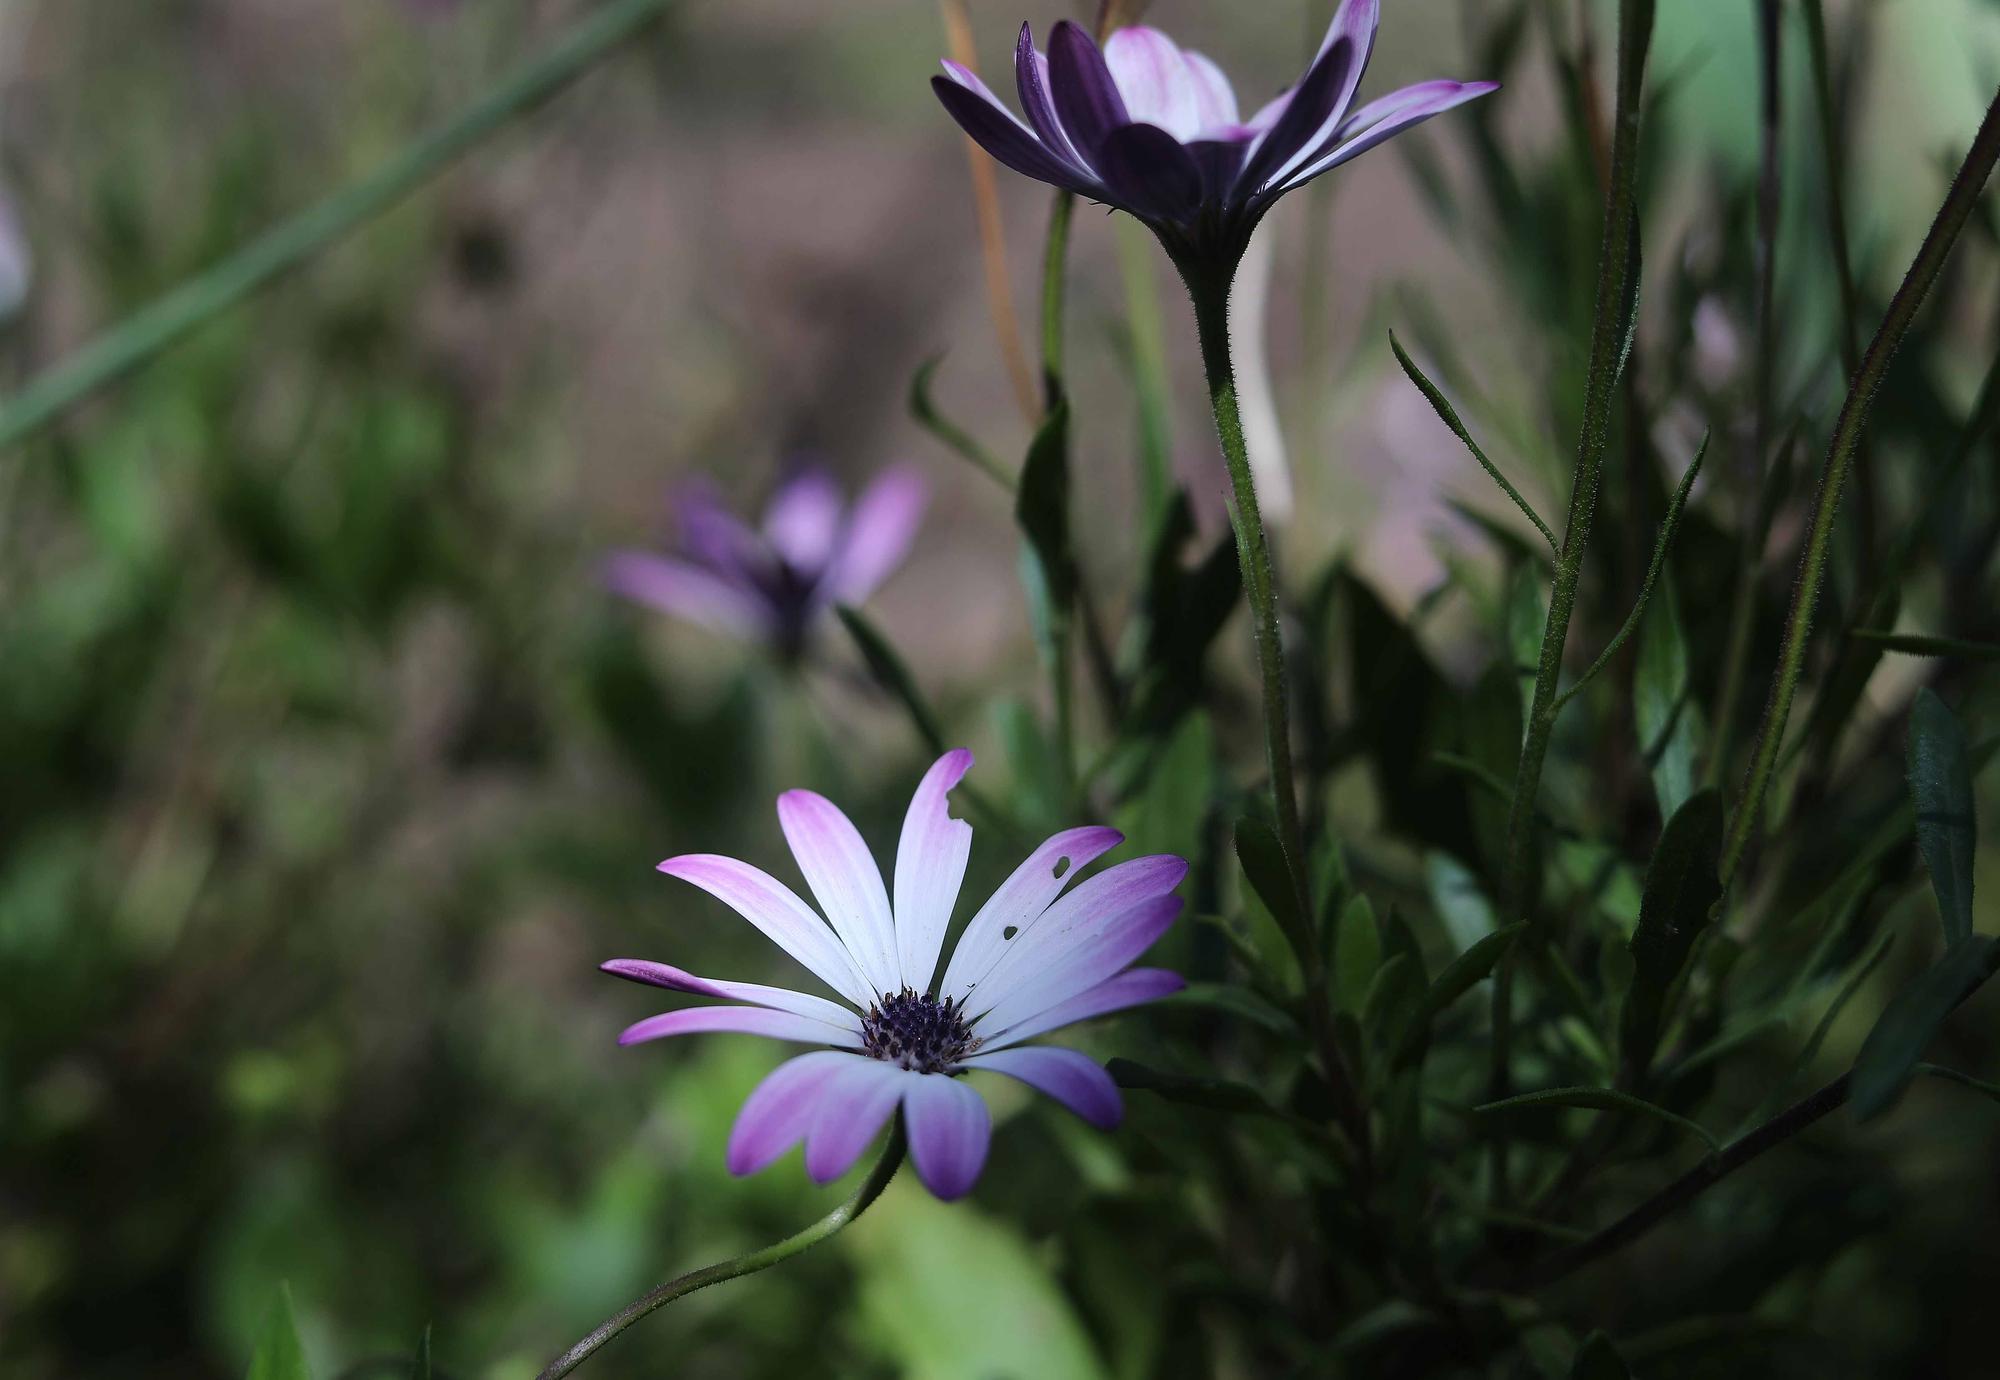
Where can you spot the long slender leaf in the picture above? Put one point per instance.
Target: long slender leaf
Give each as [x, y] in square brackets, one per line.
[892, 675]
[1917, 644]
[1602, 1100]
[1681, 887]
[927, 414]
[279, 1355]
[1889, 1056]
[1941, 790]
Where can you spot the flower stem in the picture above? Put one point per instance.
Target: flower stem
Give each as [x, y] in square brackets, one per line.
[1847, 432]
[747, 1264]
[1260, 586]
[153, 328]
[1616, 263]
[1055, 282]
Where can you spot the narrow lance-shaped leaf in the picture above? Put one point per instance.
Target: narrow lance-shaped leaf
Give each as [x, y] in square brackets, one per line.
[1941, 789]
[1602, 1100]
[1888, 1058]
[1681, 887]
[1664, 713]
[1449, 416]
[1263, 860]
[1042, 506]
[279, 1356]
[1460, 976]
[420, 1364]
[925, 411]
[892, 675]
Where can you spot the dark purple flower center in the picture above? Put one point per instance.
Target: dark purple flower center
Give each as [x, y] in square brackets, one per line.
[919, 1033]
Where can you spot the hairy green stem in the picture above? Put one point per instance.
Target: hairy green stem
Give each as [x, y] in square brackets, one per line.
[869, 1190]
[1055, 283]
[152, 329]
[1616, 263]
[1847, 432]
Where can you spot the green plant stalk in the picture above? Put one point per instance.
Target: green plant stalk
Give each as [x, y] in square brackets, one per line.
[154, 328]
[1635, 29]
[681, 1285]
[1055, 282]
[1149, 368]
[1836, 185]
[1847, 432]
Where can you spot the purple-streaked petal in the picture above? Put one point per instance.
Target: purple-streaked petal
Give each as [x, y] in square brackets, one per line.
[949, 1131]
[740, 1020]
[1145, 170]
[1085, 94]
[686, 591]
[1436, 101]
[802, 522]
[1088, 907]
[878, 534]
[1031, 77]
[776, 1116]
[777, 998]
[1089, 953]
[844, 880]
[930, 866]
[1153, 80]
[851, 1108]
[1219, 161]
[786, 921]
[1356, 22]
[1075, 1080]
[1312, 106]
[1019, 902]
[996, 129]
[1215, 98]
[1133, 987]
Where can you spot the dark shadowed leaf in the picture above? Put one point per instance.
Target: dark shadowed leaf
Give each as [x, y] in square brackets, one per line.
[1460, 976]
[892, 674]
[1357, 953]
[1263, 860]
[1230, 1000]
[1888, 1058]
[1601, 1100]
[1681, 887]
[1216, 1094]
[420, 1364]
[1941, 789]
[1663, 710]
[1597, 1359]
[1042, 507]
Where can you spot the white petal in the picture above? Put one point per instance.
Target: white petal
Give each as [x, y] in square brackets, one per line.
[1020, 901]
[787, 921]
[1155, 82]
[845, 881]
[930, 866]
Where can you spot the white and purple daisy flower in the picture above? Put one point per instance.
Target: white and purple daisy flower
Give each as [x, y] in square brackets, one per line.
[773, 583]
[1039, 955]
[1154, 129]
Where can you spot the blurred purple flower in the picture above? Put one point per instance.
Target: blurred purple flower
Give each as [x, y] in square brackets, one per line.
[16, 268]
[774, 583]
[1153, 129]
[1032, 960]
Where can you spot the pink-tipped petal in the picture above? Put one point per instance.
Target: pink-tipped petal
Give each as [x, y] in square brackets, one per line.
[686, 591]
[1215, 98]
[776, 1116]
[1092, 904]
[1020, 901]
[776, 998]
[1086, 956]
[1075, 1080]
[878, 534]
[785, 920]
[803, 520]
[1133, 987]
[950, 1130]
[851, 1109]
[741, 1020]
[1313, 107]
[930, 866]
[845, 882]
[1153, 80]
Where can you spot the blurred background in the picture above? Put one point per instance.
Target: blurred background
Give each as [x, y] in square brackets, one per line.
[332, 771]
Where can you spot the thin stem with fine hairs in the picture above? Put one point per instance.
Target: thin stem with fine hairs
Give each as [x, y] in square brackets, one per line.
[1616, 263]
[870, 1189]
[152, 329]
[1847, 432]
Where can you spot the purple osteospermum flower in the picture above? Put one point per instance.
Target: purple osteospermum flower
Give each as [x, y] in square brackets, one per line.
[1033, 959]
[1153, 129]
[813, 552]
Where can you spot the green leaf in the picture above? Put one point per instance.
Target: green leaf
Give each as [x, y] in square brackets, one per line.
[1042, 507]
[1215, 1094]
[1681, 888]
[1663, 708]
[1170, 814]
[1964, 1080]
[420, 1364]
[1597, 1359]
[1456, 895]
[960, 441]
[1602, 1100]
[1263, 859]
[1357, 953]
[892, 674]
[1460, 976]
[1232, 1000]
[1527, 620]
[279, 1355]
[1888, 1057]
[1442, 406]
[1941, 787]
